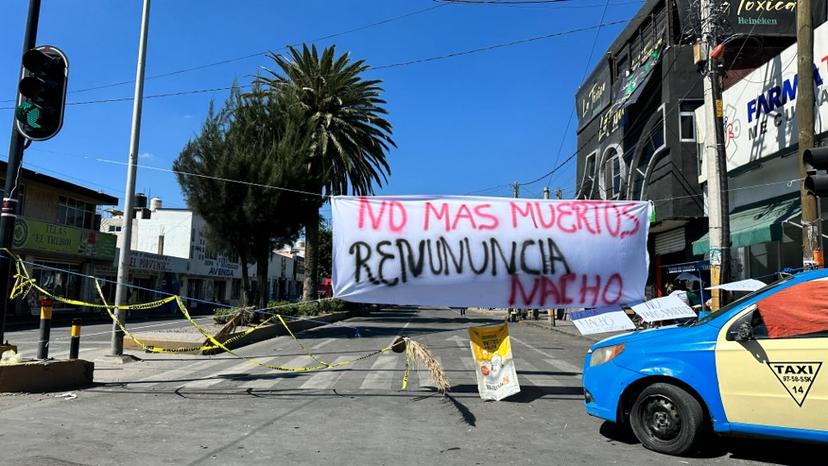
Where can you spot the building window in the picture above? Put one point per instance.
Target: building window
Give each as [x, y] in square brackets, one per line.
[612, 175]
[687, 119]
[616, 176]
[75, 213]
[235, 292]
[113, 228]
[622, 67]
[588, 179]
[62, 280]
[687, 126]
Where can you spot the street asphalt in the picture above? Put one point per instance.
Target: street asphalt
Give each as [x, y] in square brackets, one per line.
[224, 409]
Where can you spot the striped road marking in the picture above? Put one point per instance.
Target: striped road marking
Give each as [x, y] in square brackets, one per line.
[326, 378]
[381, 379]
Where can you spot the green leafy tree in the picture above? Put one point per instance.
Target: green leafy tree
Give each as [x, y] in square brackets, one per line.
[342, 116]
[325, 250]
[249, 141]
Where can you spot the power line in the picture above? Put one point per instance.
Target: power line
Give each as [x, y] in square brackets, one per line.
[392, 65]
[502, 2]
[638, 118]
[497, 46]
[257, 54]
[104, 189]
[151, 96]
[547, 5]
[217, 178]
[583, 78]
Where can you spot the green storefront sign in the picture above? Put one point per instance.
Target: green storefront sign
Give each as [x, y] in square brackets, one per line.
[38, 236]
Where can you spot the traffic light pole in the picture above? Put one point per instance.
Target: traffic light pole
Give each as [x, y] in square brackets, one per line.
[811, 216]
[8, 215]
[718, 211]
[117, 347]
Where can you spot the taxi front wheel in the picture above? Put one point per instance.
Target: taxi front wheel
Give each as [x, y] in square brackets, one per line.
[667, 419]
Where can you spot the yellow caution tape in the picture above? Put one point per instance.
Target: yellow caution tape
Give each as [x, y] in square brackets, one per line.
[25, 283]
[404, 385]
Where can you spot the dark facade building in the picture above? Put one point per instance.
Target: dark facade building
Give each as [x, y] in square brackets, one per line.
[636, 131]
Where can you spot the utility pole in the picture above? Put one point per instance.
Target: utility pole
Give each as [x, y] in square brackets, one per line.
[516, 190]
[811, 217]
[117, 348]
[9, 206]
[717, 193]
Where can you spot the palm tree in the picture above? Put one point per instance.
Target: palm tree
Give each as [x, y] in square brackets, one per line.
[342, 116]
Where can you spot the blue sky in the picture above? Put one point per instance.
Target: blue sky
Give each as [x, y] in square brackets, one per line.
[463, 124]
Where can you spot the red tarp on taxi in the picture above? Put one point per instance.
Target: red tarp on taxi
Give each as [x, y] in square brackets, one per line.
[798, 310]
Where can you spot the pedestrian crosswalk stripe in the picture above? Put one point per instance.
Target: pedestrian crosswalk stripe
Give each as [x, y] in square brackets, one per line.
[267, 379]
[221, 376]
[188, 370]
[65, 354]
[381, 375]
[323, 343]
[564, 366]
[326, 378]
[529, 372]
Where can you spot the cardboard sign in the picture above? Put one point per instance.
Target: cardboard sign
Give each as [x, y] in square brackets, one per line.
[608, 319]
[666, 308]
[489, 252]
[751, 284]
[493, 362]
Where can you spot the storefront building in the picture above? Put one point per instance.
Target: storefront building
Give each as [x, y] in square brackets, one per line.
[56, 234]
[761, 138]
[171, 253]
[638, 120]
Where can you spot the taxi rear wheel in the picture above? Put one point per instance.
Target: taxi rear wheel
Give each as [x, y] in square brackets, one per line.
[667, 419]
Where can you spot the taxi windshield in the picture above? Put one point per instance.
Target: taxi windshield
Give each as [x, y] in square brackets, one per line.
[721, 312]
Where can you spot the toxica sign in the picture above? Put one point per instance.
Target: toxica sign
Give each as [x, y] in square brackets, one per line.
[489, 252]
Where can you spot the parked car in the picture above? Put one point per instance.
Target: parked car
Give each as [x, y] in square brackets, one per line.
[755, 367]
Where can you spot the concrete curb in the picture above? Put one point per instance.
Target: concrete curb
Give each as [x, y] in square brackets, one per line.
[263, 333]
[46, 376]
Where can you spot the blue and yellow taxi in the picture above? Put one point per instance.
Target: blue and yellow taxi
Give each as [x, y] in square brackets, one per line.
[755, 367]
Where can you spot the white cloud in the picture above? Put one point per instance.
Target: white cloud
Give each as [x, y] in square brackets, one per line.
[146, 156]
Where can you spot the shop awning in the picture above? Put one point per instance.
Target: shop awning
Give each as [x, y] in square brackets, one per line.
[756, 223]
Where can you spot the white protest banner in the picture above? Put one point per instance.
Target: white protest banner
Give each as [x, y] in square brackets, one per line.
[489, 252]
[601, 320]
[751, 284]
[493, 362]
[666, 308]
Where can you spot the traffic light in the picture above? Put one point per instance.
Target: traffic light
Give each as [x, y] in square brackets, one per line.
[816, 159]
[43, 93]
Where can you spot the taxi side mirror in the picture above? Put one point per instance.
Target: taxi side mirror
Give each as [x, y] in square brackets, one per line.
[744, 332]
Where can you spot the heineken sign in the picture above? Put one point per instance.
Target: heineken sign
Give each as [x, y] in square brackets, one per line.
[754, 17]
[767, 17]
[38, 236]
